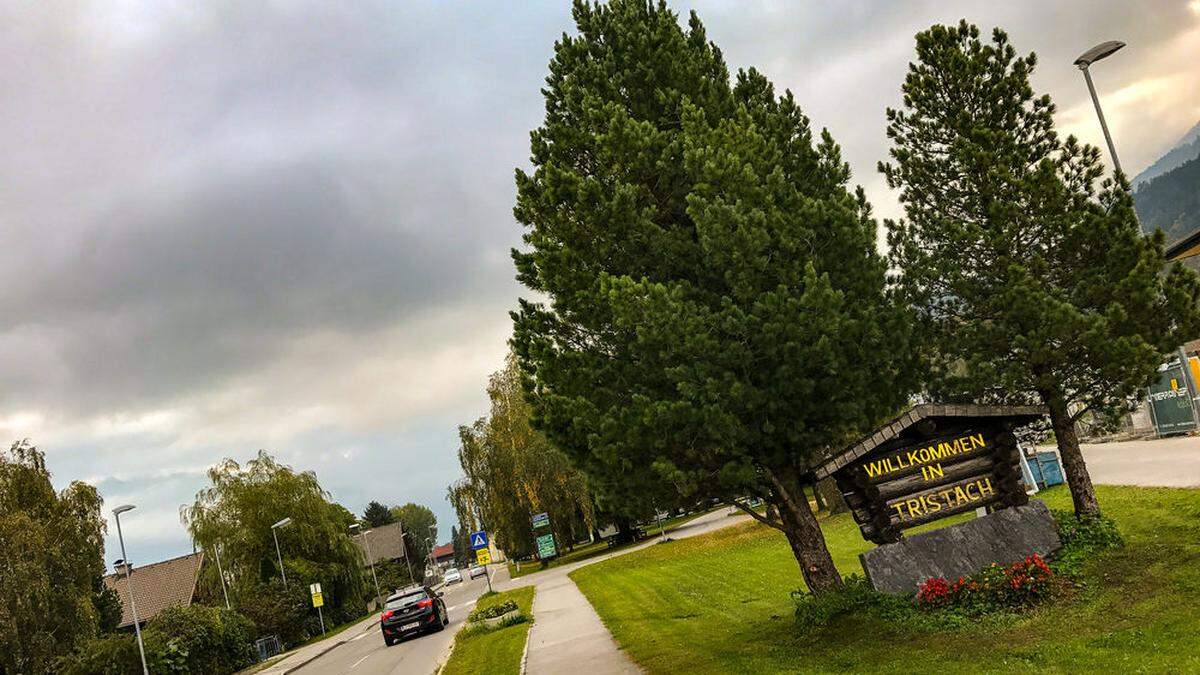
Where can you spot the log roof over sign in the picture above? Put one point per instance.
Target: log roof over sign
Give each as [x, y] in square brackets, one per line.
[1020, 414]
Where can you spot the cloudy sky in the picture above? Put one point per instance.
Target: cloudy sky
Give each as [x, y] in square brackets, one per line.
[227, 226]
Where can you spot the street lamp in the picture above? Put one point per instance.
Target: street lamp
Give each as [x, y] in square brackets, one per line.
[432, 564]
[283, 523]
[221, 573]
[1086, 59]
[362, 536]
[124, 562]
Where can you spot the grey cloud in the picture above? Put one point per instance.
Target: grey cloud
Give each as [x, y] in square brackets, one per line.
[286, 225]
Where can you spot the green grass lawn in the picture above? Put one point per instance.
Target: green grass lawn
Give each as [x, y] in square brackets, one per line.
[601, 547]
[494, 652]
[720, 603]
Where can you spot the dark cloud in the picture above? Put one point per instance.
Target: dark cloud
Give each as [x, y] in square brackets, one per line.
[229, 226]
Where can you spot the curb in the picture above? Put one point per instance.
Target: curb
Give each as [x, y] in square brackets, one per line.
[525, 653]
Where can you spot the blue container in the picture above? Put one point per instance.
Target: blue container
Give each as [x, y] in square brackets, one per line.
[1050, 468]
[1046, 469]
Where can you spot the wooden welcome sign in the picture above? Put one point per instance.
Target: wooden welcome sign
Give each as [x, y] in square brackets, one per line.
[932, 462]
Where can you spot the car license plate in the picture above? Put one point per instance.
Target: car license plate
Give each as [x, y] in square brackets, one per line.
[410, 626]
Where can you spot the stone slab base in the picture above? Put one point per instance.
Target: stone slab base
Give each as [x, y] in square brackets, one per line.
[1002, 537]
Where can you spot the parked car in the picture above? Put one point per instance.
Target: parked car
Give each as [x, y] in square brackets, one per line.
[477, 571]
[452, 576]
[417, 609]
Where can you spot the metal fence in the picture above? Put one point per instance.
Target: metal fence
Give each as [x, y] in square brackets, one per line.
[268, 647]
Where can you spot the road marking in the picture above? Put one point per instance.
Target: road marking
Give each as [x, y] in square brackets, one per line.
[465, 604]
[360, 661]
[365, 634]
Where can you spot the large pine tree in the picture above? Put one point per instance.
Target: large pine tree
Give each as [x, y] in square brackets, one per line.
[717, 312]
[1032, 282]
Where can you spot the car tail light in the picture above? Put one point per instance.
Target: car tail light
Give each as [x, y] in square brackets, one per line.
[386, 615]
[425, 603]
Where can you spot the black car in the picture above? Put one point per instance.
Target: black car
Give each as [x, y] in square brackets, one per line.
[413, 610]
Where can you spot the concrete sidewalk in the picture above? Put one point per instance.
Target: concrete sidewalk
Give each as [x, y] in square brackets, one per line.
[567, 634]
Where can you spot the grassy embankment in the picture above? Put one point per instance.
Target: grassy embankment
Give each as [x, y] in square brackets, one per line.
[601, 547]
[495, 651]
[720, 603]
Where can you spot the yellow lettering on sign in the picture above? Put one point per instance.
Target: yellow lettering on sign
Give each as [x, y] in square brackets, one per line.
[927, 454]
[931, 472]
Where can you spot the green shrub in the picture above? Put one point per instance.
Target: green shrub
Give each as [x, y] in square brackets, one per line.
[492, 611]
[277, 610]
[202, 639]
[1082, 540]
[195, 639]
[111, 654]
[855, 595]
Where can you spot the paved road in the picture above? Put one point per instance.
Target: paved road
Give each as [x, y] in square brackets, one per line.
[1168, 462]
[366, 654]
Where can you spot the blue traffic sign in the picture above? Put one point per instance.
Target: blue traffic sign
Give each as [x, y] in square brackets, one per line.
[479, 540]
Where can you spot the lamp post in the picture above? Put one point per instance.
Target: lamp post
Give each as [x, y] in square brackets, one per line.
[129, 583]
[221, 573]
[283, 523]
[432, 564]
[1085, 60]
[362, 536]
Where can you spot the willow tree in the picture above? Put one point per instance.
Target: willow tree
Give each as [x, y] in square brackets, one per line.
[717, 312]
[234, 515]
[1032, 278]
[511, 472]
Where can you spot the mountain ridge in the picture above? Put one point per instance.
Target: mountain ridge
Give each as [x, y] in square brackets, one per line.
[1188, 148]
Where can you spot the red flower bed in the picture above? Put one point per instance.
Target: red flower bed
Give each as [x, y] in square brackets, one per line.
[1020, 584]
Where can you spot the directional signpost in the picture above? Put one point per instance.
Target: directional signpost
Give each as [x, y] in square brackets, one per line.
[544, 537]
[545, 546]
[479, 543]
[318, 601]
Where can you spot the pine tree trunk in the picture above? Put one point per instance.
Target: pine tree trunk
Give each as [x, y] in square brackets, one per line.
[804, 535]
[1078, 479]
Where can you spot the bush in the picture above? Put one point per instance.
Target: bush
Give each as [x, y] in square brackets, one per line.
[996, 588]
[492, 611]
[208, 640]
[1081, 540]
[856, 594]
[276, 610]
[112, 654]
[195, 639]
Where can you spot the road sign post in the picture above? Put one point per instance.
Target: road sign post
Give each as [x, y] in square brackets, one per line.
[479, 543]
[543, 537]
[318, 600]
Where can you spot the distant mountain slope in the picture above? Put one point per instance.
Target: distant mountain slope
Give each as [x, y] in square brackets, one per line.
[1171, 202]
[1187, 148]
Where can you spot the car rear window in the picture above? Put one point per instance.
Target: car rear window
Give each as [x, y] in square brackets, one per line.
[405, 600]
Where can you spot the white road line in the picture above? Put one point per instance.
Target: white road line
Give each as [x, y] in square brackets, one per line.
[360, 661]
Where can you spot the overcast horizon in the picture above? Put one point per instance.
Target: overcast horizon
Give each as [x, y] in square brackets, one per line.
[287, 227]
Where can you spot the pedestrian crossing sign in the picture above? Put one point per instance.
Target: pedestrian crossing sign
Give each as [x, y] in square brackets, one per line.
[479, 540]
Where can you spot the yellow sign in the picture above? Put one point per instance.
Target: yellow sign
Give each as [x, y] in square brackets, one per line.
[318, 599]
[483, 557]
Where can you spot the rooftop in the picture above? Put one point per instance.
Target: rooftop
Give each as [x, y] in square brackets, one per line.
[157, 586]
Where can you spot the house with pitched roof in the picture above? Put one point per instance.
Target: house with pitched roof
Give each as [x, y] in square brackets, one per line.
[157, 586]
